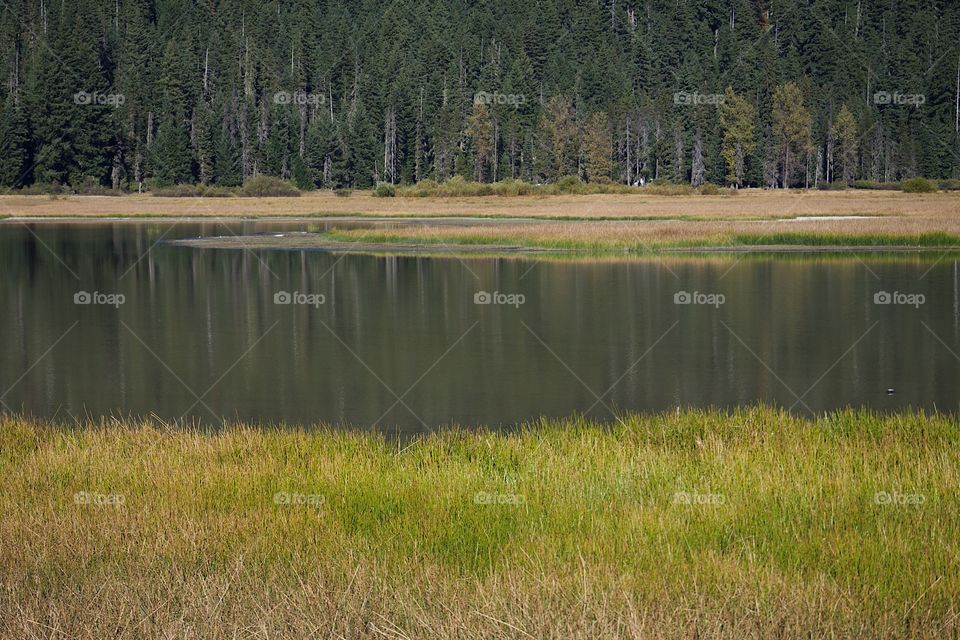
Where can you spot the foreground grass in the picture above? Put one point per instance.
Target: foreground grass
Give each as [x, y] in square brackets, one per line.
[699, 524]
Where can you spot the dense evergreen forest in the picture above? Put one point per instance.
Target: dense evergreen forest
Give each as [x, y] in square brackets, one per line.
[328, 93]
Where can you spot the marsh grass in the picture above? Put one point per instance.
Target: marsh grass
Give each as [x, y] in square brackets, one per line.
[399, 545]
[647, 237]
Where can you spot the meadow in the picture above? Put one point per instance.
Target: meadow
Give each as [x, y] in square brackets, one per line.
[699, 524]
[747, 205]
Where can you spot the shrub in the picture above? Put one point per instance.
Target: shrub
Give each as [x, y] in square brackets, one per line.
[950, 185]
[92, 187]
[709, 189]
[44, 189]
[191, 191]
[178, 191]
[268, 186]
[569, 184]
[343, 192]
[457, 186]
[513, 187]
[218, 192]
[659, 188]
[384, 190]
[880, 186]
[918, 185]
[421, 189]
[836, 185]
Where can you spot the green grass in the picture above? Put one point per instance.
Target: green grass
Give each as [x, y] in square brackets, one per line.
[818, 238]
[783, 537]
[620, 243]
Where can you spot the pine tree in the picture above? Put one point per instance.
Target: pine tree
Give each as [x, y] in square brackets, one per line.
[556, 132]
[227, 170]
[737, 118]
[480, 132]
[598, 148]
[845, 136]
[791, 129]
[14, 144]
[171, 160]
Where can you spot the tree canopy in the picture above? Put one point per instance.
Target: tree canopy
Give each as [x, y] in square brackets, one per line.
[341, 93]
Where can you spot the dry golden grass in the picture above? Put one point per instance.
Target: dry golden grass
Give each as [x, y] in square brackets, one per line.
[398, 546]
[750, 204]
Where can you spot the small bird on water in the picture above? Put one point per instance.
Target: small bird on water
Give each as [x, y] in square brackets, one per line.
[891, 391]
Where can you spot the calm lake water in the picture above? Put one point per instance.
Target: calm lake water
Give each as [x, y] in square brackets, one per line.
[406, 344]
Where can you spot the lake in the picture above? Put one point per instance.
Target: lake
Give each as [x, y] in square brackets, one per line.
[106, 319]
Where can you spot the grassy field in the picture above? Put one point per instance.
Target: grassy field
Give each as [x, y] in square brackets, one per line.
[754, 524]
[750, 204]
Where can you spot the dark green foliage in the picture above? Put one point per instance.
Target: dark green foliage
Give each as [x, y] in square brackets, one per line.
[349, 94]
[14, 144]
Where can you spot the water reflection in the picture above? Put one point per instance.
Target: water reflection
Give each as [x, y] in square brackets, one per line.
[400, 342]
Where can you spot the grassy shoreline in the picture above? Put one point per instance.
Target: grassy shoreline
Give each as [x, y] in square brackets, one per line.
[702, 524]
[626, 242]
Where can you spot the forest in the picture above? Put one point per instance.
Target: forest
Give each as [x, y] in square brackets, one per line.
[136, 94]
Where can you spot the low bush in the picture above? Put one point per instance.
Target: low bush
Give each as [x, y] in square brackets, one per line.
[91, 187]
[569, 184]
[179, 191]
[422, 189]
[44, 189]
[709, 189]
[343, 192]
[192, 191]
[878, 186]
[918, 185]
[950, 185]
[836, 185]
[384, 190]
[268, 186]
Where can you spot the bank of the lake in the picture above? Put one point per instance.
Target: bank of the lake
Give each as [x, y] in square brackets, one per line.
[703, 524]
